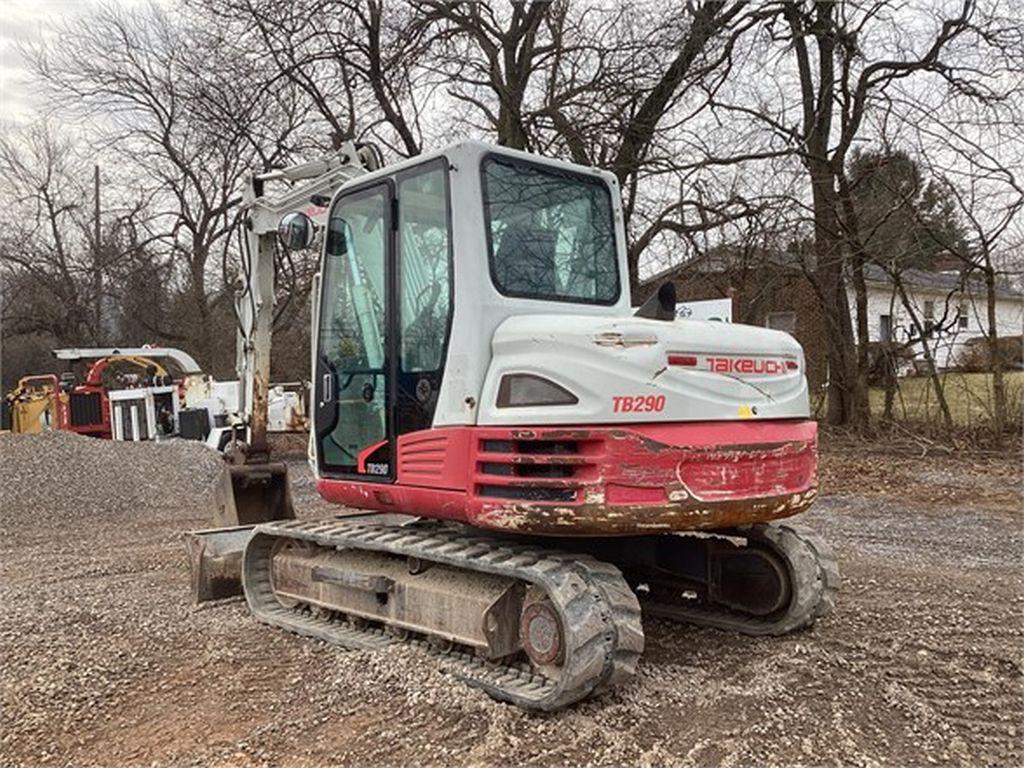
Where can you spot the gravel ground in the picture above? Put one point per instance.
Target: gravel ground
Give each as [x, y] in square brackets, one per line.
[105, 662]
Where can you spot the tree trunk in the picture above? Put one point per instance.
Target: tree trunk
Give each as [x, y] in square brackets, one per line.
[861, 401]
[889, 380]
[202, 332]
[828, 253]
[933, 372]
[858, 257]
[636, 291]
[510, 125]
[97, 264]
[998, 383]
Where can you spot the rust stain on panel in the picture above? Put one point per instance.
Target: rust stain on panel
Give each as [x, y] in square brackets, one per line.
[683, 513]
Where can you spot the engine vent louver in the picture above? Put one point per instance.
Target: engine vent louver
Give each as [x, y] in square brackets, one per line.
[527, 493]
[539, 470]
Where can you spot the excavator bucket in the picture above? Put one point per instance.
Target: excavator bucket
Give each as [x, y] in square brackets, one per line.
[260, 493]
[215, 561]
[248, 494]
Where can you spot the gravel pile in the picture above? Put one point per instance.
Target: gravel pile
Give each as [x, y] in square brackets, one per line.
[105, 662]
[57, 478]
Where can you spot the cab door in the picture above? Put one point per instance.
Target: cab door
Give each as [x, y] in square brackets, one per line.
[354, 380]
[385, 319]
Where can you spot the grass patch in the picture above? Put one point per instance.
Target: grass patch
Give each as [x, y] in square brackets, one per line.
[969, 396]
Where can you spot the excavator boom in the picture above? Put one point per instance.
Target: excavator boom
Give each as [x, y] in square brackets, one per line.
[261, 489]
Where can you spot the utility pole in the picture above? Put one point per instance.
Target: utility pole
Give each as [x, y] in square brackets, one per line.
[97, 274]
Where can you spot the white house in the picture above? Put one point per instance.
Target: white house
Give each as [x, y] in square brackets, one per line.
[951, 310]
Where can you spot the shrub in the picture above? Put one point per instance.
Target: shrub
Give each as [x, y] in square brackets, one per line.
[975, 356]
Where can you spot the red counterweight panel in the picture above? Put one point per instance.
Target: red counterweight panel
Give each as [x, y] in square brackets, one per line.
[602, 480]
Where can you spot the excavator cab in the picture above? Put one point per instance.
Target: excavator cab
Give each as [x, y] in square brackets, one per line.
[421, 263]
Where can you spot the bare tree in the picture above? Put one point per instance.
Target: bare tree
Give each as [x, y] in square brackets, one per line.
[841, 58]
[170, 100]
[965, 129]
[606, 86]
[357, 65]
[491, 53]
[65, 270]
[47, 251]
[989, 198]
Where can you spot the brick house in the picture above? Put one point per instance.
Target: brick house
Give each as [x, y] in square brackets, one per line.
[773, 292]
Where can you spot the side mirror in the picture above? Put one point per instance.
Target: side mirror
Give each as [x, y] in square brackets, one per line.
[296, 231]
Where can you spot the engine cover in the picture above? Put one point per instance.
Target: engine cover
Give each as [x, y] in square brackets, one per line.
[634, 370]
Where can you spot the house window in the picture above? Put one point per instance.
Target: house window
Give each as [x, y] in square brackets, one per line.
[782, 321]
[929, 318]
[961, 316]
[885, 327]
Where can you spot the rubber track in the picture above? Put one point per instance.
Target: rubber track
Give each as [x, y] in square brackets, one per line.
[600, 614]
[814, 580]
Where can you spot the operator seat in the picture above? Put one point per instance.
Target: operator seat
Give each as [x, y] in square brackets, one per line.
[525, 260]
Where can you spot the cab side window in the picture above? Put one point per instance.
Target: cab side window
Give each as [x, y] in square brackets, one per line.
[425, 257]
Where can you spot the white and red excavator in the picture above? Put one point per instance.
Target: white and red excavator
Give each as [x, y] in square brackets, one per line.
[537, 464]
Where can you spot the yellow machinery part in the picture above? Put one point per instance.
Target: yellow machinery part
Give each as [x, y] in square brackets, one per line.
[35, 405]
[31, 417]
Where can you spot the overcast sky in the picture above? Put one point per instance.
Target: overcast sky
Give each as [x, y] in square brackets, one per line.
[24, 20]
[27, 21]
